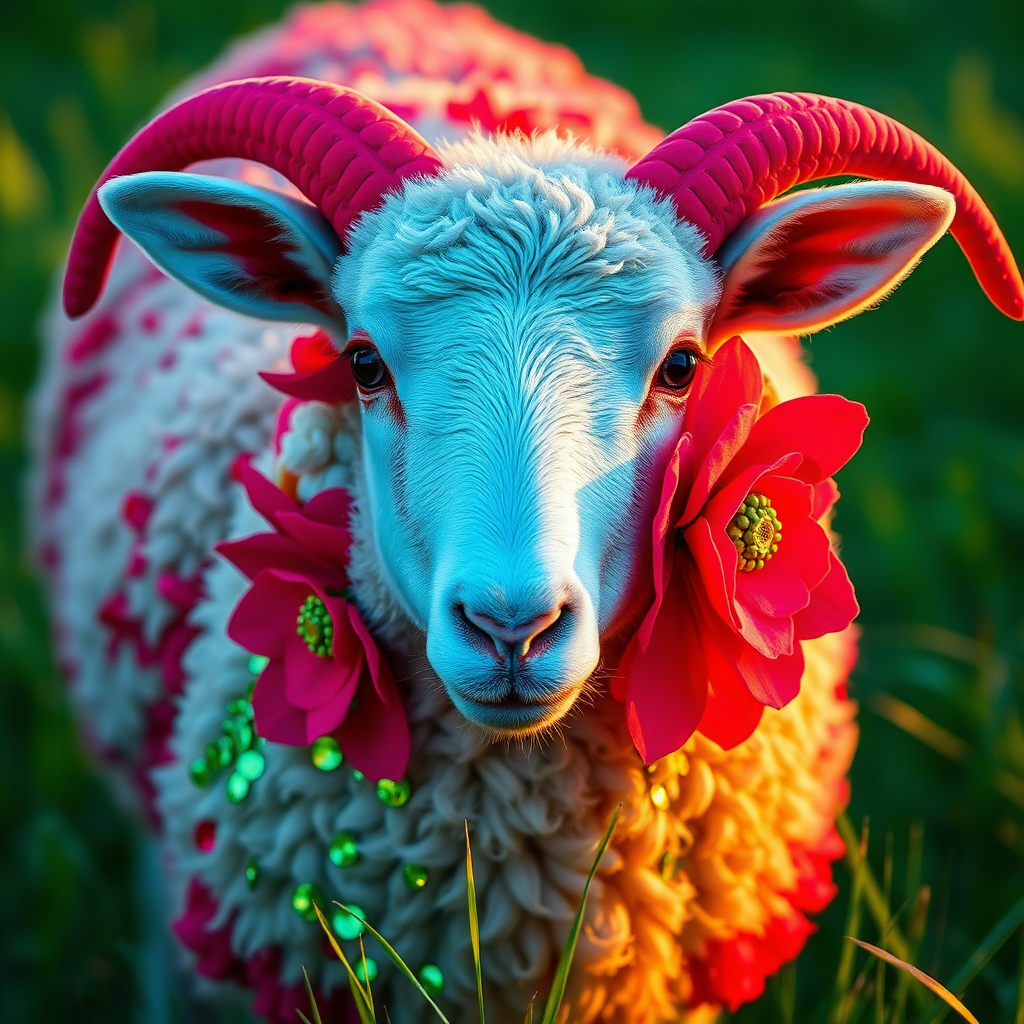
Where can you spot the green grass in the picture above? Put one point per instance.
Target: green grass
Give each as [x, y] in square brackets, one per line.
[932, 515]
[363, 996]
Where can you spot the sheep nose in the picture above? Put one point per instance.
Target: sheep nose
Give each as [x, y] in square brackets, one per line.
[512, 640]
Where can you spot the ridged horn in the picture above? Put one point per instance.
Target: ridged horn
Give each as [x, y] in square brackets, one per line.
[726, 163]
[342, 150]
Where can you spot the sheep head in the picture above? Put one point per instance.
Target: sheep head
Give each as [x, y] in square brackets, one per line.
[523, 318]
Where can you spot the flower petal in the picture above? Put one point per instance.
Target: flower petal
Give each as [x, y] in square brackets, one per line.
[717, 573]
[667, 686]
[709, 466]
[833, 604]
[331, 383]
[827, 429]
[311, 680]
[329, 543]
[805, 546]
[376, 737]
[379, 672]
[329, 716]
[264, 619]
[732, 713]
[263, 495]
[720, 414]
[826, 494]
[250, 555]
[663, 530]
[276, 720]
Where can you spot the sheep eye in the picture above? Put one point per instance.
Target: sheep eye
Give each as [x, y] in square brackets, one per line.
[368, 368]
[678, 369]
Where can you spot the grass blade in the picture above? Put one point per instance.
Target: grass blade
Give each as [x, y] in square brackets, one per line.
[562, 974]
[400, 964]
[842, 999]
[528, 1019]
[313, 1008]
[930, 983]
[1019, 1017]
[990, 945]
[366, 975]
[873, 898]
[302, 1016]
[364, 1003]
[474, 924]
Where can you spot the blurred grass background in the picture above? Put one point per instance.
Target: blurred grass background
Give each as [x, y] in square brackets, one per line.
[932, 517]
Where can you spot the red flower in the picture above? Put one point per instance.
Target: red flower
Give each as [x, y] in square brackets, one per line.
[738, 579]
[325, 675]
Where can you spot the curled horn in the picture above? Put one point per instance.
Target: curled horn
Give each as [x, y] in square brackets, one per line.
[342, 150]
[723, 165]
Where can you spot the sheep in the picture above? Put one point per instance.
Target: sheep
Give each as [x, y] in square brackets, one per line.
[500, 473]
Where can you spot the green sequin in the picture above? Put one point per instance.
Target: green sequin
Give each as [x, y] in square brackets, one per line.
[344, 850]
[201, 772]
[358, 775]
[252, 874]
[394, 794]
[370, 973]
[415, 876]
[305, 895]
[325, 753]
[315, 626]
[756, 532]
[250, 765]
[350, 923]
[238, 787]
[432, 979]
[257, 663]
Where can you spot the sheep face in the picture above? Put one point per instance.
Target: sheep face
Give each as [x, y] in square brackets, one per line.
[521, 328]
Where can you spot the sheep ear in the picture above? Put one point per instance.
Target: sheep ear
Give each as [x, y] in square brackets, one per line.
[819, 256]
[252, 250]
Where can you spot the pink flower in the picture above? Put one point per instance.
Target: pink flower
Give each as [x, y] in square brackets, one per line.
[325, 674]
[743, 568]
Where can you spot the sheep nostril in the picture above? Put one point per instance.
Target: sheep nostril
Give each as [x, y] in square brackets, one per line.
[515, 640]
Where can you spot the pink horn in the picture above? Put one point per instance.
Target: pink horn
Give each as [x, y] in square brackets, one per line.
[342, 150]
[726, 163]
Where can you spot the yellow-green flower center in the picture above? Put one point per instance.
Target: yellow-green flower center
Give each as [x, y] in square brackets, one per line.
[756, 532]
[315, 626]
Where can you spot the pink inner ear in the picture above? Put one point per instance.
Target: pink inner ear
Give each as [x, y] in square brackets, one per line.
[269, 263]
[820, 264]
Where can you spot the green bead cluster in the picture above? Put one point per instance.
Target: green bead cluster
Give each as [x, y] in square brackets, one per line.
[315, 626]
[756, 532]
[238, 747]
[394, 794]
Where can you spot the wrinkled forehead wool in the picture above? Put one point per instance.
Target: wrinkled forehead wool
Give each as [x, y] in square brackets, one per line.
[522, 216]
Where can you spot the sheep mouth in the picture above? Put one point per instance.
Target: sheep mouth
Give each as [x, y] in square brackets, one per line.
[514, 715]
